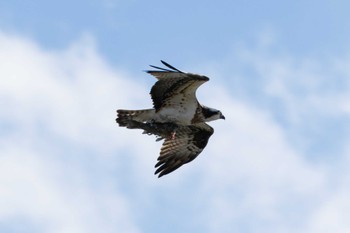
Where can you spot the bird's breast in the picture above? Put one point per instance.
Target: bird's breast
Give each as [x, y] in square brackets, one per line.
[176, 114]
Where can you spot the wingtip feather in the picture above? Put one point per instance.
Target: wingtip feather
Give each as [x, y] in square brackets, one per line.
[170, 66]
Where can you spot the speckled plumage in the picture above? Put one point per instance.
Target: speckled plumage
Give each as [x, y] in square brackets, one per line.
[177, 117]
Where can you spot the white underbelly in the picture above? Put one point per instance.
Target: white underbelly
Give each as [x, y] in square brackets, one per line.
[179, 115]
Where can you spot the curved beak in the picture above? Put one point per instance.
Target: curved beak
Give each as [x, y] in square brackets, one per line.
[222, 117]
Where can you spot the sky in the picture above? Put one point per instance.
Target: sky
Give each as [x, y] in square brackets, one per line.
[279, 71]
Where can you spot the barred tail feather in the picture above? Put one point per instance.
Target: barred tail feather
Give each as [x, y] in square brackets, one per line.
[124, 117]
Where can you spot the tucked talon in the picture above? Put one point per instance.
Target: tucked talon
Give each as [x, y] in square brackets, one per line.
[173, 134]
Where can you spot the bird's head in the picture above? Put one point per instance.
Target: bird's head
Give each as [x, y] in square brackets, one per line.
[211, 114]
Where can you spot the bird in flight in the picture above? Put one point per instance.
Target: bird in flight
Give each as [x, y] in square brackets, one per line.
[176, 116]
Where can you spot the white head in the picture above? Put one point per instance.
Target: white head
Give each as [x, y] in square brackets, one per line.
[211, 114]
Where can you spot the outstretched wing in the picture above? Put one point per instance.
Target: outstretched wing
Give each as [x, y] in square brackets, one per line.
[186, 143]
[174, 87]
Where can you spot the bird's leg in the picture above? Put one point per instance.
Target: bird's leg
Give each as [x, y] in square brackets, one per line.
[173, 134]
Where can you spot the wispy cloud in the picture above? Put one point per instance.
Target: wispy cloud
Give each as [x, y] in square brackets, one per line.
[57, 114]
[266, 167]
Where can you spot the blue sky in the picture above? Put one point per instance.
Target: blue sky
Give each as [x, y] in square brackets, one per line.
[279, 72]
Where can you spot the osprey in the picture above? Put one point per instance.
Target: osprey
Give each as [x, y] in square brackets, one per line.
[177, 117]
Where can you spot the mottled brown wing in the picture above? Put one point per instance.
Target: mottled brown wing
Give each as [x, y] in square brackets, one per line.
[173, 85]
[182, 147]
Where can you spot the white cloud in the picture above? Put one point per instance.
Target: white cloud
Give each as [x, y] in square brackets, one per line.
[255, 175]
[56, 196]
[303, 85]
[259, 180]
[49, 99]
[66, 167]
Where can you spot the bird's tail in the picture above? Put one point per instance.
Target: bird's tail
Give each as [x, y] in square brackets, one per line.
[124, 117]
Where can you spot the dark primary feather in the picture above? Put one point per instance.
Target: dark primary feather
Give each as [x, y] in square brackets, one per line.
[172, 68]
[184, 145]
